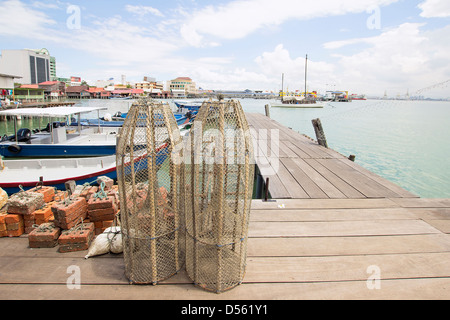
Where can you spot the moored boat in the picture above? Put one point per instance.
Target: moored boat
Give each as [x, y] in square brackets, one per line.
[16, 175]
[56, 140]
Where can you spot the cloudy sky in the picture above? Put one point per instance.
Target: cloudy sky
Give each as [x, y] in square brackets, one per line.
[364, 46]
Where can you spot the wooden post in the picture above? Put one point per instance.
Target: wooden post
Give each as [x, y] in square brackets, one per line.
[267, 110]
[321, 139]
[266, 195]
[352, 158]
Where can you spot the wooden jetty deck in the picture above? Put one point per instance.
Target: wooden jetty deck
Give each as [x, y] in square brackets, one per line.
[326, 244]
[298, 168]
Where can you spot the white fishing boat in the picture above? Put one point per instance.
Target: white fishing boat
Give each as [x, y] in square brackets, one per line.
[57, 140]
[17, 175]
[26, 174]
[299, 103]
[304, 101]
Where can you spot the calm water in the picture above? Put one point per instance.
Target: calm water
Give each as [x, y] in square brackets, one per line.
[403, 141]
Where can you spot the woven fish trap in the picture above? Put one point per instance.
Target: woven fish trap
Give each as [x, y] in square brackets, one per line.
[149, 185]
[218, 191]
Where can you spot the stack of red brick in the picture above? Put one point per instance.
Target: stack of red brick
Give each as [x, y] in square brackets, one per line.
[52, 218]
[21, 209]
[103, 207]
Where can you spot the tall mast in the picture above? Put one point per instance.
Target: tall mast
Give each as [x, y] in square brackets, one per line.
[306, 75]
[282, 86]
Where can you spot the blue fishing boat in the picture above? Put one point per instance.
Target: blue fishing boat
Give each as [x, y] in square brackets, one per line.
[58, 141]
[182, 118]
[186, 106]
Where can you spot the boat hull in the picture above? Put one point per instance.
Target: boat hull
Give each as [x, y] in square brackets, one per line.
[300, 105]
[26, 174]
[55, 151]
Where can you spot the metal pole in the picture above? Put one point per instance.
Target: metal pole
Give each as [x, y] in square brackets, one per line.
[306, 75]
[15, 129]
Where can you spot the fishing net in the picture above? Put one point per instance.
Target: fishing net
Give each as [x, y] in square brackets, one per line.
[218, 180]
[149, 185]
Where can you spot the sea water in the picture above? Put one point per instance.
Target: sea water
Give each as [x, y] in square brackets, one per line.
[406, 142]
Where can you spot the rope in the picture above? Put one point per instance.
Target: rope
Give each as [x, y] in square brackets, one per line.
[101, 194]
[79, 226]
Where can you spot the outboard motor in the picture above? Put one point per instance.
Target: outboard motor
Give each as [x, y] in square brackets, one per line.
[24, 135]
[55, 125]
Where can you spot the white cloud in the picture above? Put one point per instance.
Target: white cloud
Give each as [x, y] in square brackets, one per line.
[17, 19]
[239, 18]
[435, 9]
[143, 10]
[273, 64]
[398, 59]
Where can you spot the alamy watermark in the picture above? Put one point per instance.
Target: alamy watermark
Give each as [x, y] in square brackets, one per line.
[374, 21]
[214, 147]
[74, 280]
[374, 280]
[73, 22]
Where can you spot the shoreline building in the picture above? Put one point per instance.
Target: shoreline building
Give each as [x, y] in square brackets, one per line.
[182, 87]
[150, 86]
[33, 66]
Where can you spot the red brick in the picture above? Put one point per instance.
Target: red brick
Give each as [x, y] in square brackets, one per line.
[76, 240]
[15, 233]
[95, 203]
[14, 225]
[47, 192]
[67, 216]
[46, 236]
[43, 215]
[108, 182]
[3, 232]
[103, 214]
[29, 222]
[25, 202]
[107, 224]
[139, 199]
[13, 218]
[89, 192]
[61, 195]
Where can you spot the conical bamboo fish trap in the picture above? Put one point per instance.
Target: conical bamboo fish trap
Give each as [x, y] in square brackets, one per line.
[218, 182]
[149, 185]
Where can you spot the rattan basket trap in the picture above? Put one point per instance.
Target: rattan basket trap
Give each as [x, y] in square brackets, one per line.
[218, 187]
[149, 187]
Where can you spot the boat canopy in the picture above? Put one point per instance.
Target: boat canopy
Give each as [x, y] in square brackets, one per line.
[50, 112]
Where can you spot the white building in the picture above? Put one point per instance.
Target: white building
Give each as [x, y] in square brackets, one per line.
[33, 66]
[182, 87]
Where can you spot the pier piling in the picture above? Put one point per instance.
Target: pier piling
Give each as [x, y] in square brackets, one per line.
[320, 134]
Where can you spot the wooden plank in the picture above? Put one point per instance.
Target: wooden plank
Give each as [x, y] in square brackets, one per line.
[441, 225]
[329, 189]
[423, 203]
[276, 186]
[301, 178]
[406, 289]
[431, 213]
[290, 182]
[340, 228]
[386, 183]
[347, 268]
[287, 151]
[347, 246]
[362, 183]
[332, 214]
[297, 151]
[40, 270]
[348, 190]
[287, 204]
